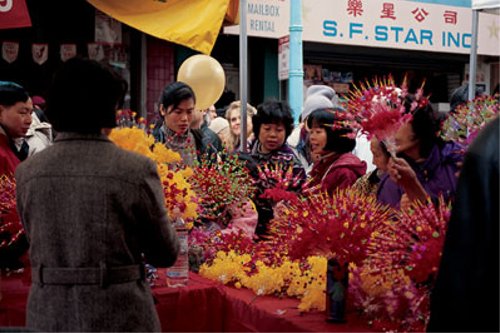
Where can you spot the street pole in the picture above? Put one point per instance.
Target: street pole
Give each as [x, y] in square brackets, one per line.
[296, 72]
[473, 56]
[243, 74]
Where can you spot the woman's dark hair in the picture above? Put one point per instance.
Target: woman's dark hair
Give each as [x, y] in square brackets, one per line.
[175, 93]
[84, 97]
[425, 124]
[337, 140]
[12, 93]
[273, 112]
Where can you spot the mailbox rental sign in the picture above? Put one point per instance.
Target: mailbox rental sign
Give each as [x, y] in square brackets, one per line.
[398, 24]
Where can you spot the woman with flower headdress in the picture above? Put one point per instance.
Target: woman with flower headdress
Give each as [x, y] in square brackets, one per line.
[425, 165]
[336, 166]
[177, 105]
[270, 154]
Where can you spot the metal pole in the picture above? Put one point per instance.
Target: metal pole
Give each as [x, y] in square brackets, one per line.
[296, 73]
[243, 74]
[144, 78]
[473, 56]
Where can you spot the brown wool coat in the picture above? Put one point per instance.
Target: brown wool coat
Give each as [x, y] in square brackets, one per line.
[84, 201]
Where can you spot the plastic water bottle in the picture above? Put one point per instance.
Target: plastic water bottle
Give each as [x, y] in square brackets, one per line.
[178, 274]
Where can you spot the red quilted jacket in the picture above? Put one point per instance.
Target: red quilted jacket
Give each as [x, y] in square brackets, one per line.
[337, 171]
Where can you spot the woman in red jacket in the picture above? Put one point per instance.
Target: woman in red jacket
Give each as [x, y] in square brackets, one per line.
[335, 167]
[15, 120]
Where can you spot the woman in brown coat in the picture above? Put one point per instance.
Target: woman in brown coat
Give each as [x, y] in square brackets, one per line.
[91, 212]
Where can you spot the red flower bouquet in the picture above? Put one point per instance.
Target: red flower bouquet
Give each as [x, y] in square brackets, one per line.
[221, 184]
[380, 110]
[338, 226]
[10, 225]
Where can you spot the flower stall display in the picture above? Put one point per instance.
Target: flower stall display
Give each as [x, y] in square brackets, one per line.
[178, 192]
[332, 252]
[318, 226]
[278, 183]
[414, 242]
[220, 186]
[392, 257]
[393, 285]
[338, 226]
[468, 119]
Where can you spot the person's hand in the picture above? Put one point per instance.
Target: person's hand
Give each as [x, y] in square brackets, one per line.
[401, 172]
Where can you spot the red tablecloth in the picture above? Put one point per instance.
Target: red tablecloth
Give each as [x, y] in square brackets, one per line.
[202, 306]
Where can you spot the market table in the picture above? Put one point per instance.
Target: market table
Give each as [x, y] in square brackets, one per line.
[202, 306]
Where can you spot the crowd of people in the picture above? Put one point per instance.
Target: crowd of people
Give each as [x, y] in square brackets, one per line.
[90, 208]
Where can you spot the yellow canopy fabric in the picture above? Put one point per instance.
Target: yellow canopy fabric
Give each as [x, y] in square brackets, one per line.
[233, 13]
[192, 23]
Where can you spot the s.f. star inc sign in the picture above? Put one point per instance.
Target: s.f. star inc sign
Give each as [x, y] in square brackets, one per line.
[378, 23]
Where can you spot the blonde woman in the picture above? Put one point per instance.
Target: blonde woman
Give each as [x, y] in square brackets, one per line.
[233, 116]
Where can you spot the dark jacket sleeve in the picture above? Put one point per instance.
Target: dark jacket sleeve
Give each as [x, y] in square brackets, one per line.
[158, 237]
[466, 294]
[205, 149]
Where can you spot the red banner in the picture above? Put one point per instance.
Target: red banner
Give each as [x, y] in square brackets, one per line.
[14, 14]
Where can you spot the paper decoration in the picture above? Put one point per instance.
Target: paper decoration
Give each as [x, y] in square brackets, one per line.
[68, 51]
[95, 51]
[10, 51]
[107, 29]
[14, 14]
[40, 52]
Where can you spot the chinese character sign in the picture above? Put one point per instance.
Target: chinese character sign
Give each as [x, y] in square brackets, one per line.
[355, 7]
[409, 25]
[388, 11]
[397, 24]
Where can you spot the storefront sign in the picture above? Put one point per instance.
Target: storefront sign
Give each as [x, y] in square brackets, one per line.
[14, 14]
[283, 57]
[411, 25]
[399, 24]
[265, 18]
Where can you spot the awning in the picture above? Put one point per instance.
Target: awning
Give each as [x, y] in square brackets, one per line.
[479, 5]
[192, 23]
[14, 14]
[485, 4]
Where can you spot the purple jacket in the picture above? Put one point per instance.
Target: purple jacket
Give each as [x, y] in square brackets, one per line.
[437, 174]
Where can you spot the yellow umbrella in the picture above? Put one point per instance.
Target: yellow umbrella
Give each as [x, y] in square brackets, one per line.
[192, 23]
